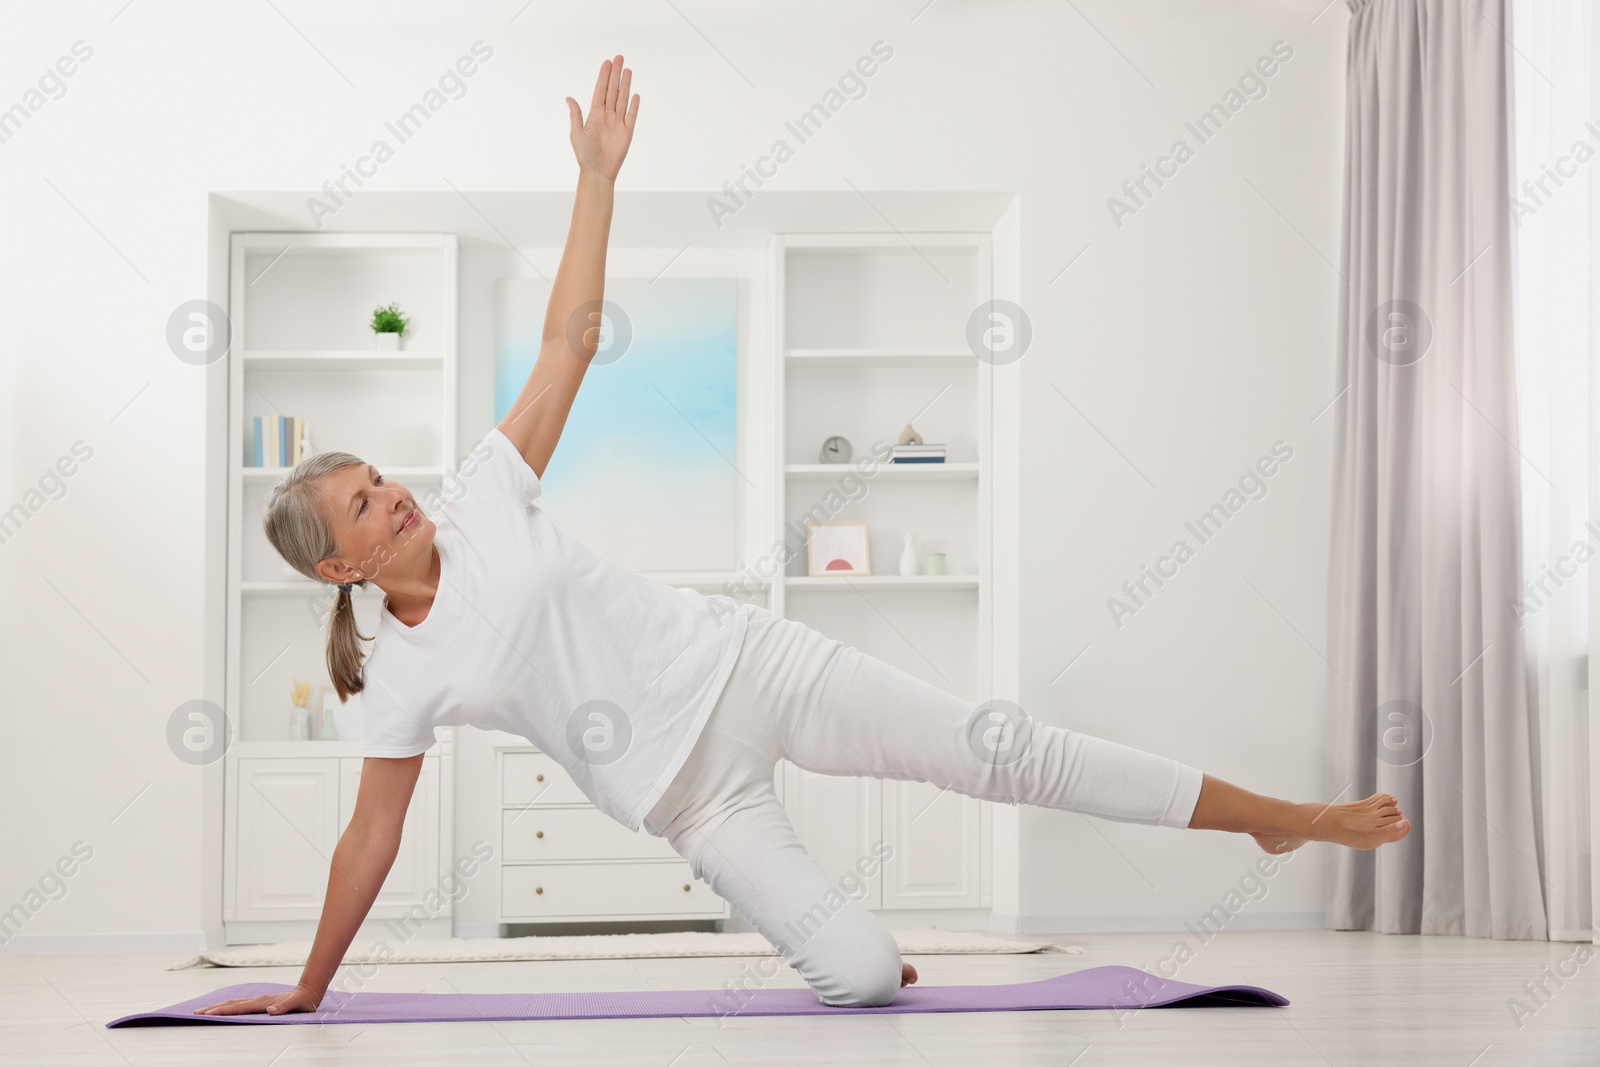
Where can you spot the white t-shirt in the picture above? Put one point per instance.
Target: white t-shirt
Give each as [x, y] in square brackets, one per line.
[610, 673]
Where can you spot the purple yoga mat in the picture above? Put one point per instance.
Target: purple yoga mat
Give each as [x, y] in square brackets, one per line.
[1124, 988]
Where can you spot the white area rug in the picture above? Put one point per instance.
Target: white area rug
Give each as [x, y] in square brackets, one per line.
[922, 941]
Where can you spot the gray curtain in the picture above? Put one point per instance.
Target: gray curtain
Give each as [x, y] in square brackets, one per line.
[1426, 689]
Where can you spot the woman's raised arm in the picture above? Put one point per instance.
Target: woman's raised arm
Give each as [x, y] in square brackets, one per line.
[572, 321]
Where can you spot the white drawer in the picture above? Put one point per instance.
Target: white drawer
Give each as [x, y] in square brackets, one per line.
[534, 778]
[574, 834]
[564, 890]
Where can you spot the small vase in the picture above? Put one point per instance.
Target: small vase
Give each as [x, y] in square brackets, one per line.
[908, 556]
[386, 342]
[299, 724]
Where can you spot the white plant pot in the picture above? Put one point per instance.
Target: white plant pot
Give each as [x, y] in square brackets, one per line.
[386, 342]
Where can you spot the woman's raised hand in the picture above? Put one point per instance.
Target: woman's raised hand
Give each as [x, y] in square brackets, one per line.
[297, 999]
[601, 141]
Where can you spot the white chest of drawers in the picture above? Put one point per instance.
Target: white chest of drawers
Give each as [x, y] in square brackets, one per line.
[563, 860]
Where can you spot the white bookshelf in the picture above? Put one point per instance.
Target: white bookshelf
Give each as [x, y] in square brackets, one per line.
[878, 357]
[301, 306]
[333, 360]
[827, 472]
[869, 333]
[910, 295]
[272, 474]
[890, 582]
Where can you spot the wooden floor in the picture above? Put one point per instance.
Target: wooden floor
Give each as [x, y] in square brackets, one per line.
[1357, 999]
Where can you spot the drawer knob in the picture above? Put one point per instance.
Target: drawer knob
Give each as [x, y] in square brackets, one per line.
[538, 777]
[540, 833]
[686, 889]
[539, 890]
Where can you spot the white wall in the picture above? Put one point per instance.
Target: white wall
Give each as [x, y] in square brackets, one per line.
[1189, 340]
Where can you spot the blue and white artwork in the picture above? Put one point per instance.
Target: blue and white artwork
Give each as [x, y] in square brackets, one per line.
[644, 474]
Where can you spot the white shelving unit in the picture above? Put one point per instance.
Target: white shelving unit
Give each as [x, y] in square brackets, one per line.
[301, 304]
[335, 360]
[827, 472]
[300, 308]
[886, 581]
[869, 331]
[879, 357]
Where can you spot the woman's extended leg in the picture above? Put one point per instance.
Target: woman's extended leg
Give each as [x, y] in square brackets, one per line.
[841, 711]
[1282, 826]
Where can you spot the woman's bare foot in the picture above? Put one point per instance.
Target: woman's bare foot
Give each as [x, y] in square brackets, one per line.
[1364, 824]
[908, 974]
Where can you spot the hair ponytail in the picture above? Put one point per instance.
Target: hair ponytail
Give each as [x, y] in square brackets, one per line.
[297, 525]
[344, 646]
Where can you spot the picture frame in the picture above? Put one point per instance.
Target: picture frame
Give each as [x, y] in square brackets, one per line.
[838, 549]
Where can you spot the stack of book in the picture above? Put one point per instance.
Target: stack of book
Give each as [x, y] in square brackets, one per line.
[279, 440]
[916, 454]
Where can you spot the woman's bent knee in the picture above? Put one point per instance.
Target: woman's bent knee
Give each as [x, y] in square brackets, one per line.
[865, 973]
[875, 991]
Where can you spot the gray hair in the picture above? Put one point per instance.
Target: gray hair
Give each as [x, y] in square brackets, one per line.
[296, 522]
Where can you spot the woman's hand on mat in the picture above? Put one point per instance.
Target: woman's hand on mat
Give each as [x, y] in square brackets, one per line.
[601, 141]
[297, 999]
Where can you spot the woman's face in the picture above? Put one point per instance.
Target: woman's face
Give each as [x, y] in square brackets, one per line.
[376, 524]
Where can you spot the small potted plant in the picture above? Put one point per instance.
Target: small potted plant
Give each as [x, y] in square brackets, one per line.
[388, 325]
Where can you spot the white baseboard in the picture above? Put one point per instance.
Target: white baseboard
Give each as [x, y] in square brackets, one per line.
[154, 941]
[1155, 924]
[477, 929]
[266, 932]
[180, 941]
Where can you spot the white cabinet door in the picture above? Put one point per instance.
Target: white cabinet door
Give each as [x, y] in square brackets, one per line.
[935, 837]
[840, 822]
[417, 868]
[288, 824]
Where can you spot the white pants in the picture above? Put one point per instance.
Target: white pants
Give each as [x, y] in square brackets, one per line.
[826, 707]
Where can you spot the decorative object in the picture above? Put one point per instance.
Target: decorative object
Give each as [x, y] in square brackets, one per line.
[388, 325]
[662, 387]
[300, 716]
[327, 702]
[346, 717]
[918, 453]
[909, 436]
[327, 699]
[835, 450]
[837, 549]
[933, 563]
[908, 556]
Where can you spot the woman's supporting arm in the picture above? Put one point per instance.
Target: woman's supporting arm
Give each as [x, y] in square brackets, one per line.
[361, 862]
[572, 319]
